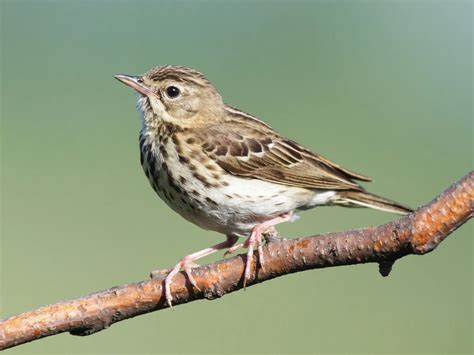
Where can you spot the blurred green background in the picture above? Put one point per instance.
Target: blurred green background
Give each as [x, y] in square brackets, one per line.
[384, 88]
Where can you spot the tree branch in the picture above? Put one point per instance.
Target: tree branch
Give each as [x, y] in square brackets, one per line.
[416, 233]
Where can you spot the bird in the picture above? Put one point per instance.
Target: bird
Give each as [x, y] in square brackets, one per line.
[226, 170]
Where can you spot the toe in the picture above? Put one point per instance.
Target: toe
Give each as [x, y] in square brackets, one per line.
[261, 260]
[169, 297]
[191, 278]
[233, 249]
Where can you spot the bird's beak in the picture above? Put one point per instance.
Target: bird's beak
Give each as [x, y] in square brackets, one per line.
[135, 82]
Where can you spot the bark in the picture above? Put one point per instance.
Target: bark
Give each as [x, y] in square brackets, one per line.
[417, 233]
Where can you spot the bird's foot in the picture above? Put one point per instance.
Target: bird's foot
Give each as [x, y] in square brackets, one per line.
[187, 264]
[255, 240]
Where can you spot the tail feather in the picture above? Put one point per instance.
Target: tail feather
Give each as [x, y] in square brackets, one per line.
[352, 198]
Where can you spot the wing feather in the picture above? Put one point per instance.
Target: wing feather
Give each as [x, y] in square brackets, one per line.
[261, 153]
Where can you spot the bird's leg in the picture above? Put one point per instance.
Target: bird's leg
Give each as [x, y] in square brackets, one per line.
[187, 264]
[255, 239]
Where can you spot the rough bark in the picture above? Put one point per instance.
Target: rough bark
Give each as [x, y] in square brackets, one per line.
[417, 233]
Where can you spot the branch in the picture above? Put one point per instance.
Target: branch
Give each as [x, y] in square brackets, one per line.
[417, 233]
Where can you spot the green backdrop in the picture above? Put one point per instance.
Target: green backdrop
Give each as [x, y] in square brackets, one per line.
[384, 88]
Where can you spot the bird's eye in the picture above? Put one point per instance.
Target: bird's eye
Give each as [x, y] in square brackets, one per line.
[172, 92]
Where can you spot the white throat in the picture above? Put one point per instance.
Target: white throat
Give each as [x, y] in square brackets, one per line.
[152, 111]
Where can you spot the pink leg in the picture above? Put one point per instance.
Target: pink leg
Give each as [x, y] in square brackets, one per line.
[256, 239]
[187, 263]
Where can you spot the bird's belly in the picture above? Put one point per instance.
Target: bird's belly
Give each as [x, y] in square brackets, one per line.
[243, 203]
[234, 209]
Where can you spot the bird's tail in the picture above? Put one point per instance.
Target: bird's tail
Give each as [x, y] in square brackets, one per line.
[353, 198]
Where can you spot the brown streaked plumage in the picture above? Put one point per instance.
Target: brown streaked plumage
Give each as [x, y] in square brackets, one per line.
[227, 171]
[259, 152]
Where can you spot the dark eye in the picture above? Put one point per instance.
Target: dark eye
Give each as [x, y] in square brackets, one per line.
[172, 92]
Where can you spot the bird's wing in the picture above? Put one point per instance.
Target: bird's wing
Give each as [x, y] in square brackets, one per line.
[260, 153]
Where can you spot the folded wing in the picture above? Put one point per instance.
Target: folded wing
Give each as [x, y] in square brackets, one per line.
[260, 153]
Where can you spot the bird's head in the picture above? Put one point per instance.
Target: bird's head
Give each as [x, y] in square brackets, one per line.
[174, 94]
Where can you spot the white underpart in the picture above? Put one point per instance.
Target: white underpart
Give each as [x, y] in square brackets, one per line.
[141, 101]
[253, 202]
[156, 105]
[322, 198]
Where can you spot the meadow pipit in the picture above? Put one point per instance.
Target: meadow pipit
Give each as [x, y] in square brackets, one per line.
[226, 170]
